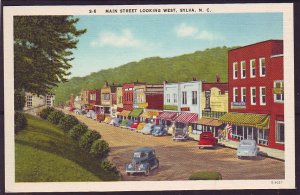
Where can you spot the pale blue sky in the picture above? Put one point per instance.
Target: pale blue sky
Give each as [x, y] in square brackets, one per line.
[111, 41]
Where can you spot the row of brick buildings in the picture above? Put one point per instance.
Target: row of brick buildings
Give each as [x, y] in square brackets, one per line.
[250, 105]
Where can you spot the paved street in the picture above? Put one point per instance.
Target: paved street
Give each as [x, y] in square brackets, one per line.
[178, 160]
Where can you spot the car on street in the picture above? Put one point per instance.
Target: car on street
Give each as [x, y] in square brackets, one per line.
[140, 126]
[80, 111]
[134, 125]
[207, 139]
[181, 134]
[115, 122]
[159, 130]
[129, 123]
[143, 161]
[147, 129]
[91, 114]
[123, 123]
[247, 148]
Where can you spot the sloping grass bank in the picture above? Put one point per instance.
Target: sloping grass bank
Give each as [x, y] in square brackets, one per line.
[45, 154]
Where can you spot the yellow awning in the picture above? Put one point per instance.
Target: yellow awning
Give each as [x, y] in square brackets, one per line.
[260, 121]
[203, 121]
[124, 113]
[149, 114]
[141, 126]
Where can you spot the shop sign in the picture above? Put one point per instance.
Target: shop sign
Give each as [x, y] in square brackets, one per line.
[185, 108]
[207, 101]
[238, 105]
[278, 90]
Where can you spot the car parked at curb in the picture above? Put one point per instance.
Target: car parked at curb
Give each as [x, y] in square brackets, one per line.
[91, 114]
[115, 122]
[247, 148]
[180, 135]
[159, 130]
[134, 125]
[143, 161]
[207, 140]
[148, 128]
[128, 125]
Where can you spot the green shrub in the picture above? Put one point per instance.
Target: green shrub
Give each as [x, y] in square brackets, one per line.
[87, 139]
[19, 99]
[20, 121]
[77, 131]
[55, 116]
[99, 149]
[67, 122]
[206, 175]
[46, 112]
[108, 166]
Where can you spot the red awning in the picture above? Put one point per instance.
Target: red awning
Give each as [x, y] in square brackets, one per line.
[167, 116]
[119, 109]
[187, 118]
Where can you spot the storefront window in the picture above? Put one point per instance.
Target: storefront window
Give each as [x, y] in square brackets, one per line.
[263, 136]
[29, 101]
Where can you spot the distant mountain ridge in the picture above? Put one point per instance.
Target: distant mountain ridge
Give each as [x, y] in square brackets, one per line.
[204, 65]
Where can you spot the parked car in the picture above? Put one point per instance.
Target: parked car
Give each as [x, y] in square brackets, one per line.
[134, 125]
[159, 130]
[107, 119]
[147, 129]
[91, 114]
[115, 122]
[100, 117]
[247, 148]
[140, 126]
[207, 139]
[129, 123]
[79, 111]
[180, 134]
[124, 123]
[143, 161]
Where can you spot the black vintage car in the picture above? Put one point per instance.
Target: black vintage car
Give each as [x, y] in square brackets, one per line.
[143, 161]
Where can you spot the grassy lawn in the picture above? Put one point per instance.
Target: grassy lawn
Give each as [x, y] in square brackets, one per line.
[45, 154]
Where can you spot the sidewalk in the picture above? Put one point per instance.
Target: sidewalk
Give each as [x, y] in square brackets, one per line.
[274, 153]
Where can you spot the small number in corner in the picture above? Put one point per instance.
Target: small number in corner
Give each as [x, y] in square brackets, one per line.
[92, 11]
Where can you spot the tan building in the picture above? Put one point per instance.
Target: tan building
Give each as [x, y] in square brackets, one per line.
[214, 104]
[119, 98]
[35, 103]
[84, 96]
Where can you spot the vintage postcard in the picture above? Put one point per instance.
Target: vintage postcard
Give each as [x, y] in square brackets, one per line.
[149, 97]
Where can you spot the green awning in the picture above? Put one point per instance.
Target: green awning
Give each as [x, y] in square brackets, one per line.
[136, 112]
[260, 121]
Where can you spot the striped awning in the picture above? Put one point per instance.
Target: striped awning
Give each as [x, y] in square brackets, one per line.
[186, 118]
[167, 116]
[215, 123]
[124, 113]
[260, 121]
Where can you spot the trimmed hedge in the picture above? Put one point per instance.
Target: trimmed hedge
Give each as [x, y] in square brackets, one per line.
[55, 116]
[99, 149]
[108, 166]
[77, 131]
[46, 112]
[68, 122]
[87, 140]
[20, 121]
[206, 175]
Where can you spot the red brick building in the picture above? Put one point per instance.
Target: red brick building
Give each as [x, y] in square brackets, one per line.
[256, 93]
[128, 93]
[94, 97]
[155, 96]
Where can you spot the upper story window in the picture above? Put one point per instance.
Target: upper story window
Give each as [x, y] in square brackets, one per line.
[243, 94]
[278, 91]
[175, 97]
[194, 97]
[252, 68]
[235, 94]
[253, 95]
[235, 70]
[243, 69]
[262, 95]
[262, 67]
[29, 101]
[184, 99]
[168, 98]
[105, 96]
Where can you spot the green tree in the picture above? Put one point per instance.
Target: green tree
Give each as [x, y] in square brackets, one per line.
[42, 51]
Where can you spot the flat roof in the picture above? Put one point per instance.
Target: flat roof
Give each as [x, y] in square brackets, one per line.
[256, 43]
